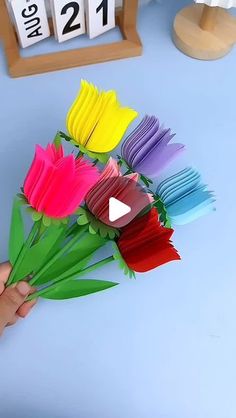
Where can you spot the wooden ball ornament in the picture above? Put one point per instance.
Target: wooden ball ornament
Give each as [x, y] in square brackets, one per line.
[204, 32]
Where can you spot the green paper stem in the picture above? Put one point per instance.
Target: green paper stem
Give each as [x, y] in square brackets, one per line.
[129, 171]
[58, 255]
[72, 229]
[64, 136]
[23, 252]
[54, 284]
[80, 154]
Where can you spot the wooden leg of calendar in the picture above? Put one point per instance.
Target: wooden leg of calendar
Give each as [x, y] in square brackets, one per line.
[204, 32]
[208, 18]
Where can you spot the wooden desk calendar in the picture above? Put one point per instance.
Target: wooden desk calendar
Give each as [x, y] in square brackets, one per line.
[19, 66]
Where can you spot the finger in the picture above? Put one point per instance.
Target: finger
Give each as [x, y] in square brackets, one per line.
[5, 270]
[10, 301]
[2, 287]
[13, 321]
[25, 309]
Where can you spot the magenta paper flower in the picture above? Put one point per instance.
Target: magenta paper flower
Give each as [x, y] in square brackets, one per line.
[56, 185]
[124, 188]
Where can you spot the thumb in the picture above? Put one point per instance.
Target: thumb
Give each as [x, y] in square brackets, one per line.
[10, 301]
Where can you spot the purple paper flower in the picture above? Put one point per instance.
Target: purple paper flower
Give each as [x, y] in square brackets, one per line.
[147, 150]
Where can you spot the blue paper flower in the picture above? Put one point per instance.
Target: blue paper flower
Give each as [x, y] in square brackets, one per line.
[185, 197]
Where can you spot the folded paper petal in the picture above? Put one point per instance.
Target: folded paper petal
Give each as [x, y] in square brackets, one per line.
[185, 197]
[56, 185]
[96, 120]
[124, 188]
[145, 244]
[147, 150]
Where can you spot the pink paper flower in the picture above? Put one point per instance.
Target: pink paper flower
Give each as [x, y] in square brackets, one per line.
[56, 185]
[124, 188]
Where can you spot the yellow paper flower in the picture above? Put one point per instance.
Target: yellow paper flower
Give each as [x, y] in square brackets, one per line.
[96, 120]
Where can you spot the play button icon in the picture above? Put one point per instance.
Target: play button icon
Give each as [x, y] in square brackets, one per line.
[117, 209]
[117, 200]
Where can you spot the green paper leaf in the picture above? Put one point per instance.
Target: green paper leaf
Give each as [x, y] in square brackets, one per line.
[75, 260]
[46, 220]
[36, 216]
[144, 180]
[122, 264]
[16, 239]
[57, 140]
[38, 254]
[77, 288]
[22, 198]
[101, 157]
[163, 215]
[92, 230]
[96, 226]
[83, 219]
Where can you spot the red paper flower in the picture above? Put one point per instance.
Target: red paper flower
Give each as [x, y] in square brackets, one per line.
[56, 185]
[124, 188]
[145, 244]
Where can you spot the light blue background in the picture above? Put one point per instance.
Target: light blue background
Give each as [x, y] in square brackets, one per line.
[162, 346]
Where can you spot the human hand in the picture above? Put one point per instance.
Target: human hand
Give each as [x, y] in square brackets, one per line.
[12, 299]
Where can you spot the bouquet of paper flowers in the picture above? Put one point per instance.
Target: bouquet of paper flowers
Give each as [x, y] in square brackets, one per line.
[69, 199]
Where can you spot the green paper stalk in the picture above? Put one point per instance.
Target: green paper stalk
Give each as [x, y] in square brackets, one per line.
[23, 252]
[59, 280]
[58, 255]
[129, 170]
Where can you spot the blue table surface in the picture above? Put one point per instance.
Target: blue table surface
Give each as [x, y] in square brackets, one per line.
[163, 345]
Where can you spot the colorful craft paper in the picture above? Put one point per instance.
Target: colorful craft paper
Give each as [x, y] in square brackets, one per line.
[68, 197]
[147, 150]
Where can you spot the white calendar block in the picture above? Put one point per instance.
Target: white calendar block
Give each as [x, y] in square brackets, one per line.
[100, 16]
[31, 21]
[68, 18]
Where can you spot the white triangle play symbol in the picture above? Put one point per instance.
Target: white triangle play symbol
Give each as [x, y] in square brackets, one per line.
[117, 209]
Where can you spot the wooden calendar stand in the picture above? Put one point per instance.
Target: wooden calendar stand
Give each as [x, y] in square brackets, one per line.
[18, 66]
